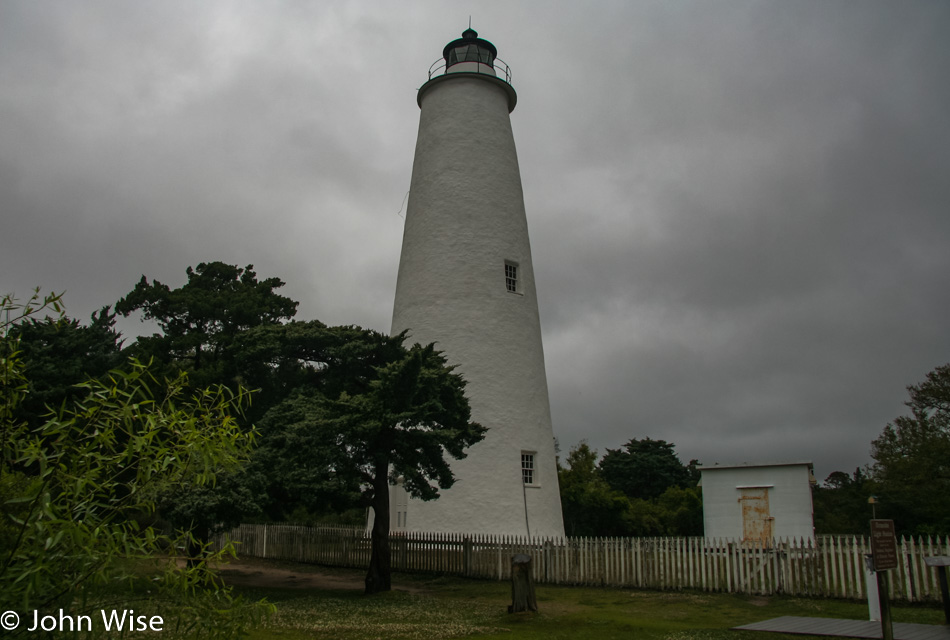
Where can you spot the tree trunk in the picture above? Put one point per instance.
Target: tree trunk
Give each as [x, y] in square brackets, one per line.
[522, 585]
[378, 577]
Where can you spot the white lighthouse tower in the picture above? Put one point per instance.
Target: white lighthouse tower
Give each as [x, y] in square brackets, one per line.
[466, 283]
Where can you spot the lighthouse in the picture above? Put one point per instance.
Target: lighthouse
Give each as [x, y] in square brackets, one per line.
[466, 283]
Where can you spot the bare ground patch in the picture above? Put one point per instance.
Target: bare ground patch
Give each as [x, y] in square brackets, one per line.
[272, 574]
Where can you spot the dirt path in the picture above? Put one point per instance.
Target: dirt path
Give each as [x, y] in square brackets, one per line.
[255, 572]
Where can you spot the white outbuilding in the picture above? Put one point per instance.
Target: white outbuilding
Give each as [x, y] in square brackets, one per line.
[757, 501]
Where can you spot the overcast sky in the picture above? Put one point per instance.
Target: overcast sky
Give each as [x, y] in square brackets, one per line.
[738, 210]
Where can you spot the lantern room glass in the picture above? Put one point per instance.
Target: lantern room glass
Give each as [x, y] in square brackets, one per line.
[470, 53]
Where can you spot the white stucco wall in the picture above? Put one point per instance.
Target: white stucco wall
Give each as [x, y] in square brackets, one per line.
[465, 218]
[789, 496]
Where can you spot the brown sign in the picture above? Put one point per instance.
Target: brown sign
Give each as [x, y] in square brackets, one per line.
[883, 545]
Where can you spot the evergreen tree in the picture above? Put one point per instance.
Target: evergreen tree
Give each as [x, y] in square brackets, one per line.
[202, 321]
[841, 503]
[58, 353]
[912, 459]
[589, 505]
[383, 414]
[646, 468]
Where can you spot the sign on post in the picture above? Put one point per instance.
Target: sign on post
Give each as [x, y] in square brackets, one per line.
[883, 545]
[884, 555]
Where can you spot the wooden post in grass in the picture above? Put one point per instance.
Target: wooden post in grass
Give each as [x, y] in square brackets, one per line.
[884, 555]
[522, 585]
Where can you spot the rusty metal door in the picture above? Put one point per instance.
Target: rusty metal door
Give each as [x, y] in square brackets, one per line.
[756, 520]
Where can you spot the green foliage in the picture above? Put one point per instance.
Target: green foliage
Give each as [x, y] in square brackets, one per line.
[292, 459]
[59, 353]
[646, 468]
[912, 460]
[590, 506]
[14, 386]
[412, 414]
[355, 517]
[303, 367]
[204, 325]
[676, 512]
[343, 411]
[681, 511]
[359, 399]
[644, 519]
[206, 510]
[380, 414]
[201, 320]
[75, 489]
[841, 503]
[278, 359]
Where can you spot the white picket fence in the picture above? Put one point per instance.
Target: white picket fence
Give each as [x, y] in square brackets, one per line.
[829, 566]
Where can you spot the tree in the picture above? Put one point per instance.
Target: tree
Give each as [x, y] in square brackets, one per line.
[592, 507]
[912, 459]
[841, 503]
[203, 326]
[646, 468]
[644, 519]
[74, 490]
[382, 414]
[201, 320]
[681, 510]
[58, 353]
[293, 367]
[343, 411]
[589, 505]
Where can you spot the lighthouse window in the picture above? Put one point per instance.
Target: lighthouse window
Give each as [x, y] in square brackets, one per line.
[469, 53]
[511, 277]
[527, 468]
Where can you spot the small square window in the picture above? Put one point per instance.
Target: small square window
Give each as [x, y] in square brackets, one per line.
[511, 277]
[527, 468]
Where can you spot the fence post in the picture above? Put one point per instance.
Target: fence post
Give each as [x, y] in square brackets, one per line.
[498, 547]
[467, 556]
[782, 551]
[546, 554]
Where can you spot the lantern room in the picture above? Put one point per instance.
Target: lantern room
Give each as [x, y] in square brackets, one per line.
[469, 48]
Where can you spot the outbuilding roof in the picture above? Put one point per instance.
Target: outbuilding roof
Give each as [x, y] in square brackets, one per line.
[739, 465]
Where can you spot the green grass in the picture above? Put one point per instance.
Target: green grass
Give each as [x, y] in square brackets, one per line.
[441, 607]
